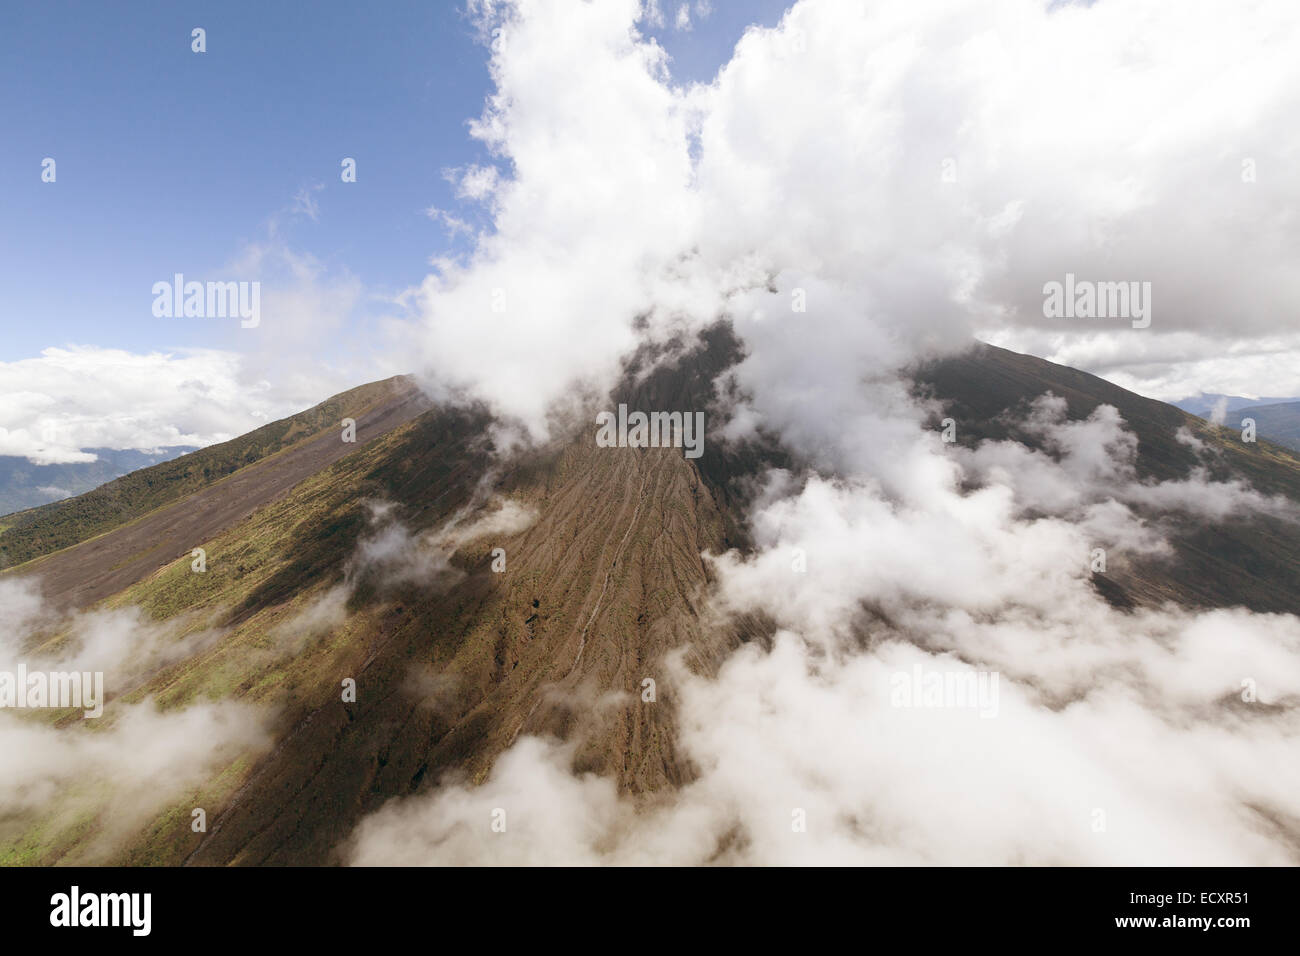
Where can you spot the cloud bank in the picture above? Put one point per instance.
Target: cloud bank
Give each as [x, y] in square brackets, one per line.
[864, 185]
[119, 770]
[921, 171]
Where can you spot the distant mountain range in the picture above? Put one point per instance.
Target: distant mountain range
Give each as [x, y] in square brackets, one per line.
[26, 485]
[1205, 403]
[1277, 419]
[1279, 423]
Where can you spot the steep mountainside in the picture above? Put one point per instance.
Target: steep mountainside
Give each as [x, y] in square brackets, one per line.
[176, 505]
[1252, 562]
[603, 581]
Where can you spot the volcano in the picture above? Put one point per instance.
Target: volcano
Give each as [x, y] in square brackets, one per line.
[385, 676]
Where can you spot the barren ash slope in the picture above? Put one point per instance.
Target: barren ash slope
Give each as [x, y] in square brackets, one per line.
[481, 598]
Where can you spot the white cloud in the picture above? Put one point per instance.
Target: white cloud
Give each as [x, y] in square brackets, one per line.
[552, 294]
[135, 758]
[87, 397]
[305, 203]
[302, 350]
[652, 15]
[474, 182]
[401, 556]
[454, 224]
[1104, 140]
[930, 166]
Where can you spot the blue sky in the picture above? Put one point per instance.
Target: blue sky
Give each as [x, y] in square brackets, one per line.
[171, 161]
[818, 148]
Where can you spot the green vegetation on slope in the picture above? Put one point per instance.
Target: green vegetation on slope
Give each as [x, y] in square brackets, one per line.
[262, 575]
[61, 524]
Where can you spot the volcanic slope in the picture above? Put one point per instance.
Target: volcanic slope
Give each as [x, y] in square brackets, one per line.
[376, 565]
[89, 547]
[1252, 561]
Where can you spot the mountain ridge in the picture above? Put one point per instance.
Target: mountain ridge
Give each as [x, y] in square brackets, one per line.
[598, 593]
[40, 531]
